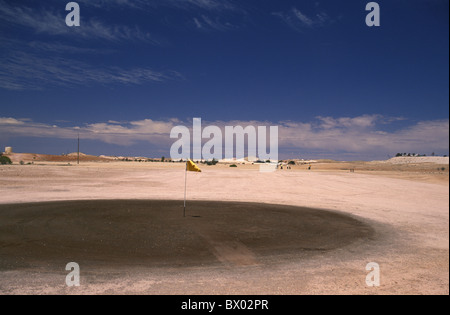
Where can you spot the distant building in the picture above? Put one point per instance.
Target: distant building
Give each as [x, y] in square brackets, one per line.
[8, 150]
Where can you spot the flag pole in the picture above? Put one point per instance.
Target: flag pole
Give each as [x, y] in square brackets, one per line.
[185, 187]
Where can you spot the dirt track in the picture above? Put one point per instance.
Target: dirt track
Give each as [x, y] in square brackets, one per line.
[408, 234]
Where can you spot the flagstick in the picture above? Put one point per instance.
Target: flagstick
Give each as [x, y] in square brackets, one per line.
[185, 185]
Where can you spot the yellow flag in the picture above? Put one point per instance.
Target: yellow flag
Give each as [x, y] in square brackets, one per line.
[192, 167]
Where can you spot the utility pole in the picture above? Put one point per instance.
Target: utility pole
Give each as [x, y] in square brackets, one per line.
[78, 155]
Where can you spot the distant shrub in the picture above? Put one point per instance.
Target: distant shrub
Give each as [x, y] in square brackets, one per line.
[4, 160]
[213, 162]
[234, 165]
[22, 163]
[291, 163]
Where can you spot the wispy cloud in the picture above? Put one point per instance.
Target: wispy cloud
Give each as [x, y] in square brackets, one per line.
[211, 5]
[299, 21]
[54, 61]
[202, 21]
[325, 136]
[302, 18]
[104, 4]
[49, 22]
[59, 48]
[206, 4]
[205, 23]
[26, 71]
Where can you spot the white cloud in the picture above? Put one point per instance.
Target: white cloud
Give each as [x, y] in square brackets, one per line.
[362, 135]
[356, 137]
[10, 121]
[349, 122]
[125, 134]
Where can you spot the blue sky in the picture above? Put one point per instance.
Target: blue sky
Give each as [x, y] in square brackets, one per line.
[134, 69]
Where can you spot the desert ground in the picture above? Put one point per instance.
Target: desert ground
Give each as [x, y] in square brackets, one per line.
[295, 231]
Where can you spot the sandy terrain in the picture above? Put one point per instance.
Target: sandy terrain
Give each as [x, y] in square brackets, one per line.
[399, 212]
[419, 159]
[26, 158]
